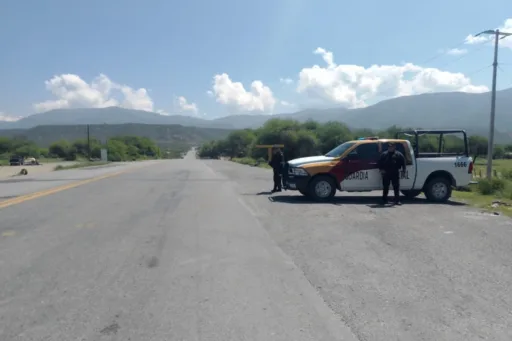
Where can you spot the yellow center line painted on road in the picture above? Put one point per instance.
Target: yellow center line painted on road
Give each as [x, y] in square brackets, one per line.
[8, 233]
[27, 197]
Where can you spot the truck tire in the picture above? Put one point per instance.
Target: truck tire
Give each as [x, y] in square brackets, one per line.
[438, 189]
[411, 194]
[322, 188]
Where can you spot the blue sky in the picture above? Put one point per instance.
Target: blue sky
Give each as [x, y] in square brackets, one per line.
[175, 48]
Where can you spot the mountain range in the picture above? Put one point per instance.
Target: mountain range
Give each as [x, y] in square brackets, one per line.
[432, 110]
[165, 135]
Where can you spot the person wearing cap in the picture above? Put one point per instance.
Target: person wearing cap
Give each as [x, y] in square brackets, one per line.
[390, 163]
[277, 165]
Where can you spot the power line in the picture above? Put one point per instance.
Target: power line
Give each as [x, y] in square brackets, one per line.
[484, 45]
[443, 53]
[506, 73]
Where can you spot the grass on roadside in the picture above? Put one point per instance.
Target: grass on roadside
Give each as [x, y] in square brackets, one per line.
[499, 166]
[80, 165]
[491, 195]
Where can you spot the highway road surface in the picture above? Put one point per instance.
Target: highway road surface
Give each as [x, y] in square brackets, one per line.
[194, 250]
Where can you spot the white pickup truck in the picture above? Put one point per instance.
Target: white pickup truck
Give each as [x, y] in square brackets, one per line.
[352, 167]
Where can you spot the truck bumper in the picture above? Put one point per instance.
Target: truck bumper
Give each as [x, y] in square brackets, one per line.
[296, 183]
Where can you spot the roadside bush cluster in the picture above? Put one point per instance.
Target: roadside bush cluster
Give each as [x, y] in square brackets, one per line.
[120, 148]
[22, 147]
[497, 187]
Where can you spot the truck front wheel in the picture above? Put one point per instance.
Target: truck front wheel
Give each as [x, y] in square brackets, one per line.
[438, 190]
[322, 188]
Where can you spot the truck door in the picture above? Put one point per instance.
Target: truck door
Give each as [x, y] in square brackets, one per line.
[407, 180]
[361, 172]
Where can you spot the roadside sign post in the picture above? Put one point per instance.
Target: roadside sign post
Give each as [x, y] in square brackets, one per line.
[104, 155]
[269, 148]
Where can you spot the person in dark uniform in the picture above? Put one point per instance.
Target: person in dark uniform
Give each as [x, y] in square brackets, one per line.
[277, 165]
[390, 163]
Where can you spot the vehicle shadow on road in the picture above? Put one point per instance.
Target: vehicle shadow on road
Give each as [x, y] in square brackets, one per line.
[264, 193]
[370, 201]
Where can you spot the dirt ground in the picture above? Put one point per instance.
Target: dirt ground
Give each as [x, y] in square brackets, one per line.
[8, 171]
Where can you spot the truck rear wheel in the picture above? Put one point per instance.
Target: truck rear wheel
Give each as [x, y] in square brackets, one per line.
[438, 189]
[411, 194]
[322, 188]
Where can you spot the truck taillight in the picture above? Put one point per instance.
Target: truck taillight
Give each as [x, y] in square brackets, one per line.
[470, 169]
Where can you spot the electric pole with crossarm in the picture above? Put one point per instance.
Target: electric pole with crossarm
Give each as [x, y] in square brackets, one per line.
[490, 144]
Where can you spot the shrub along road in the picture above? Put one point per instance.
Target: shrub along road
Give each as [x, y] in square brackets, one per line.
[190, 250]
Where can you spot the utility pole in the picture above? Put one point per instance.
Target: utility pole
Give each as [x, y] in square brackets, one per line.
[490, 141]
[89, 141]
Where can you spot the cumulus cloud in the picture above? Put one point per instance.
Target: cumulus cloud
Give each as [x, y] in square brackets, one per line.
[259, 99]
[71, 91]
[506, 28]
[355, 86]
[456, 52]
[9, 118]
[182, 105]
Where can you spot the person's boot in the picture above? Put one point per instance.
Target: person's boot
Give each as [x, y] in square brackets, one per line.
[384, 201]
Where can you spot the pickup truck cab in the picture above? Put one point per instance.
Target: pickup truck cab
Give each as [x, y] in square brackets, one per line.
[353, 167]
[16, 160]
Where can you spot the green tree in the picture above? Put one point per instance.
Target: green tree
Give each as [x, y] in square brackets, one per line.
[61, 149]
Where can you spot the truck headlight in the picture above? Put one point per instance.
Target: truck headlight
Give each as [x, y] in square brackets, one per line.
[297, 171]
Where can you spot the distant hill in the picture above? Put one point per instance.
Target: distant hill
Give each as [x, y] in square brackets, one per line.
[112, 115]
[434, 110]
[163, 135]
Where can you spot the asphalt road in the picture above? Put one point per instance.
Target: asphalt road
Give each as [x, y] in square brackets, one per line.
[13, 186]
[191, 250]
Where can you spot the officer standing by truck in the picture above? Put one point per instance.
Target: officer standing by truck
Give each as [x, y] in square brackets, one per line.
[390, 163]
[277, 166]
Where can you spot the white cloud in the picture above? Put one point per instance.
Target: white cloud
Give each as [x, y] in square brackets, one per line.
[506, 42]
[457, 52]
[286, 104]
[162, 112]
[259, 99]
[71, 91]
[286, 80]
[8, 118]
[471, 39]
[355, 86]
[182, 105]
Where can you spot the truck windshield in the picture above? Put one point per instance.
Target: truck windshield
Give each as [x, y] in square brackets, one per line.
[338, 151]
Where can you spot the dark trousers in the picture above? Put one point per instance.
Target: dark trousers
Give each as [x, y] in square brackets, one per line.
[277, 179]
[393, 179]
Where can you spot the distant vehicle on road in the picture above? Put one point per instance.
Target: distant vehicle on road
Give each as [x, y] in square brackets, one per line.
[30, 161]
[16, 161]
[353, 167]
